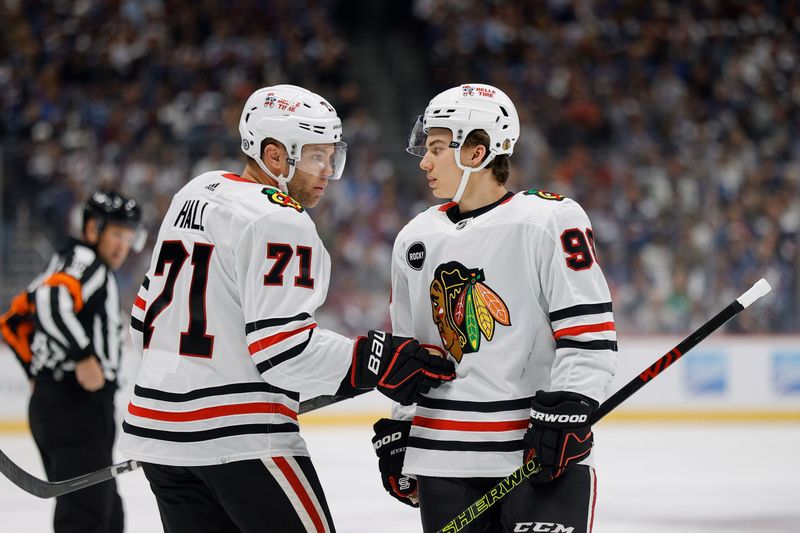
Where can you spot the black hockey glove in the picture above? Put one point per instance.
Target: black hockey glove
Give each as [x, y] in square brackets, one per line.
[389, 442]
[558, 433]
[400, 367]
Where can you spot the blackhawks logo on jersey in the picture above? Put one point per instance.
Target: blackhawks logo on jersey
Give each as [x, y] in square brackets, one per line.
[465, 308]
[545, 195]
[284, 200]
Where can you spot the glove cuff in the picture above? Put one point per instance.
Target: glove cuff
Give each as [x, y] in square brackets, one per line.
[390, 434]
[561, 409]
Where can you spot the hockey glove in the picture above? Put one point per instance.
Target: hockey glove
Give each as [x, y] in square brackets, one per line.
[389, 442]
[558, 432]
[400, 367]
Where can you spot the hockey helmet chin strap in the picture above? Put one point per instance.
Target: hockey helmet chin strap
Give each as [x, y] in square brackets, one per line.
[282, 181]
[466, 171]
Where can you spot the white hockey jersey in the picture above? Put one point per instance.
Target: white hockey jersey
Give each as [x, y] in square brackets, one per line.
[514, 292]
[225, 319]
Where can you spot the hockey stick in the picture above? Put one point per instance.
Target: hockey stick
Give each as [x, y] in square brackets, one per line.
[499, 491]
[53, 489]
[312, 404]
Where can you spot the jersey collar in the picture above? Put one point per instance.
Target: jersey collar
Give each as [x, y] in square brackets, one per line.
[455, 215]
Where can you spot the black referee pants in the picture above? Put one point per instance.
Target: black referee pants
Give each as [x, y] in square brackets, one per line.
[74, 431]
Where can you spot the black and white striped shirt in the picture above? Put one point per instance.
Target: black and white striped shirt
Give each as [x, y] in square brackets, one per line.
[77, 312]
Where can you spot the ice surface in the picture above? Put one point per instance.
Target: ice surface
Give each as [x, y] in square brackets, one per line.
[652, 478]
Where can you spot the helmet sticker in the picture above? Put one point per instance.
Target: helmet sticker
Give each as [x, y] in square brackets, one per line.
[469, 90]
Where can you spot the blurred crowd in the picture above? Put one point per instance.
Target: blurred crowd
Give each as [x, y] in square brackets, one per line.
[673, 124]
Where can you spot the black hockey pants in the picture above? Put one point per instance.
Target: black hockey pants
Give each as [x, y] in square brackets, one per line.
[563, 505]
[269, 495]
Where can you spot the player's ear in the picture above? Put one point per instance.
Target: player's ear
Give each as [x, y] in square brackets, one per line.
[90, 233]
[475, 155]
[272, 157]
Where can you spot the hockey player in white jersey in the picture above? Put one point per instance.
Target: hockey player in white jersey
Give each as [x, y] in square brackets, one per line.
[510, 286]
[225, 320]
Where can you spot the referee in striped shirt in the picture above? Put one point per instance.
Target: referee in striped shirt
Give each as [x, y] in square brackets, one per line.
[75, 353]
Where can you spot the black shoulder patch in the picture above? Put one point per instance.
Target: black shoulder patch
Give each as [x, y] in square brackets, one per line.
[284, 200]
[544, 195]
[415, 255]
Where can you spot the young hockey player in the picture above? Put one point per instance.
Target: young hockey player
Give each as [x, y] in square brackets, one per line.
[509, 284]
[225, 319]
[66, 329]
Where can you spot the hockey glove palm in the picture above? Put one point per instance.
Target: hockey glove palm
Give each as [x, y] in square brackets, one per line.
[559, 433]
[400, 367]
[391, 437]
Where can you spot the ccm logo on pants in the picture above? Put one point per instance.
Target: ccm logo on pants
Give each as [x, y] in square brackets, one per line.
[549, 527]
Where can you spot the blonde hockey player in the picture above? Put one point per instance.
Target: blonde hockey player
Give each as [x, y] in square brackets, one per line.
[510, 286]
[225, 319]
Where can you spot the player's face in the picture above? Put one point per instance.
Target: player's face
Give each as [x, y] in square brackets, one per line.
[311, 175]
[449, 337]
[114, 244]
[439, 164]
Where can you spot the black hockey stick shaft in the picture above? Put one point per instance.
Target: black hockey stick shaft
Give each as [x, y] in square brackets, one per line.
[499, 491]
[53, 489]
[312, 404]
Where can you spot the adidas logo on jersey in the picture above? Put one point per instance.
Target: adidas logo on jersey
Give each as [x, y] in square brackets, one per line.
[212, 186]
[554, 417]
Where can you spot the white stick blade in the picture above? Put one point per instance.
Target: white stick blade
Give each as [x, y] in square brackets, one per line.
[759, 289]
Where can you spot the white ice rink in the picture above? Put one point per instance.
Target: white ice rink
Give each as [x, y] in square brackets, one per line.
[652, 478]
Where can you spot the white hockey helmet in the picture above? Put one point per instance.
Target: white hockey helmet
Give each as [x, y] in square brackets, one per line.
[462, 110]
[296, 117]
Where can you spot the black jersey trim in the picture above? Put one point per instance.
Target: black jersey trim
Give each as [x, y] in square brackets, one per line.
[455, 215]
[270, 322]
[209, 434]
[146, 283]
[477, 407]
[580, 310]
[221, 390]
[275, 360]
[137, 324]
[587, 345]
[462, 446]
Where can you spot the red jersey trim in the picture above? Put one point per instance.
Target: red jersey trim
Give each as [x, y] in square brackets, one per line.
[212, 412]
[588, 328]
[445, 207]
[266, 342]
[235, 177]
[463, 425]
[139, 302]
